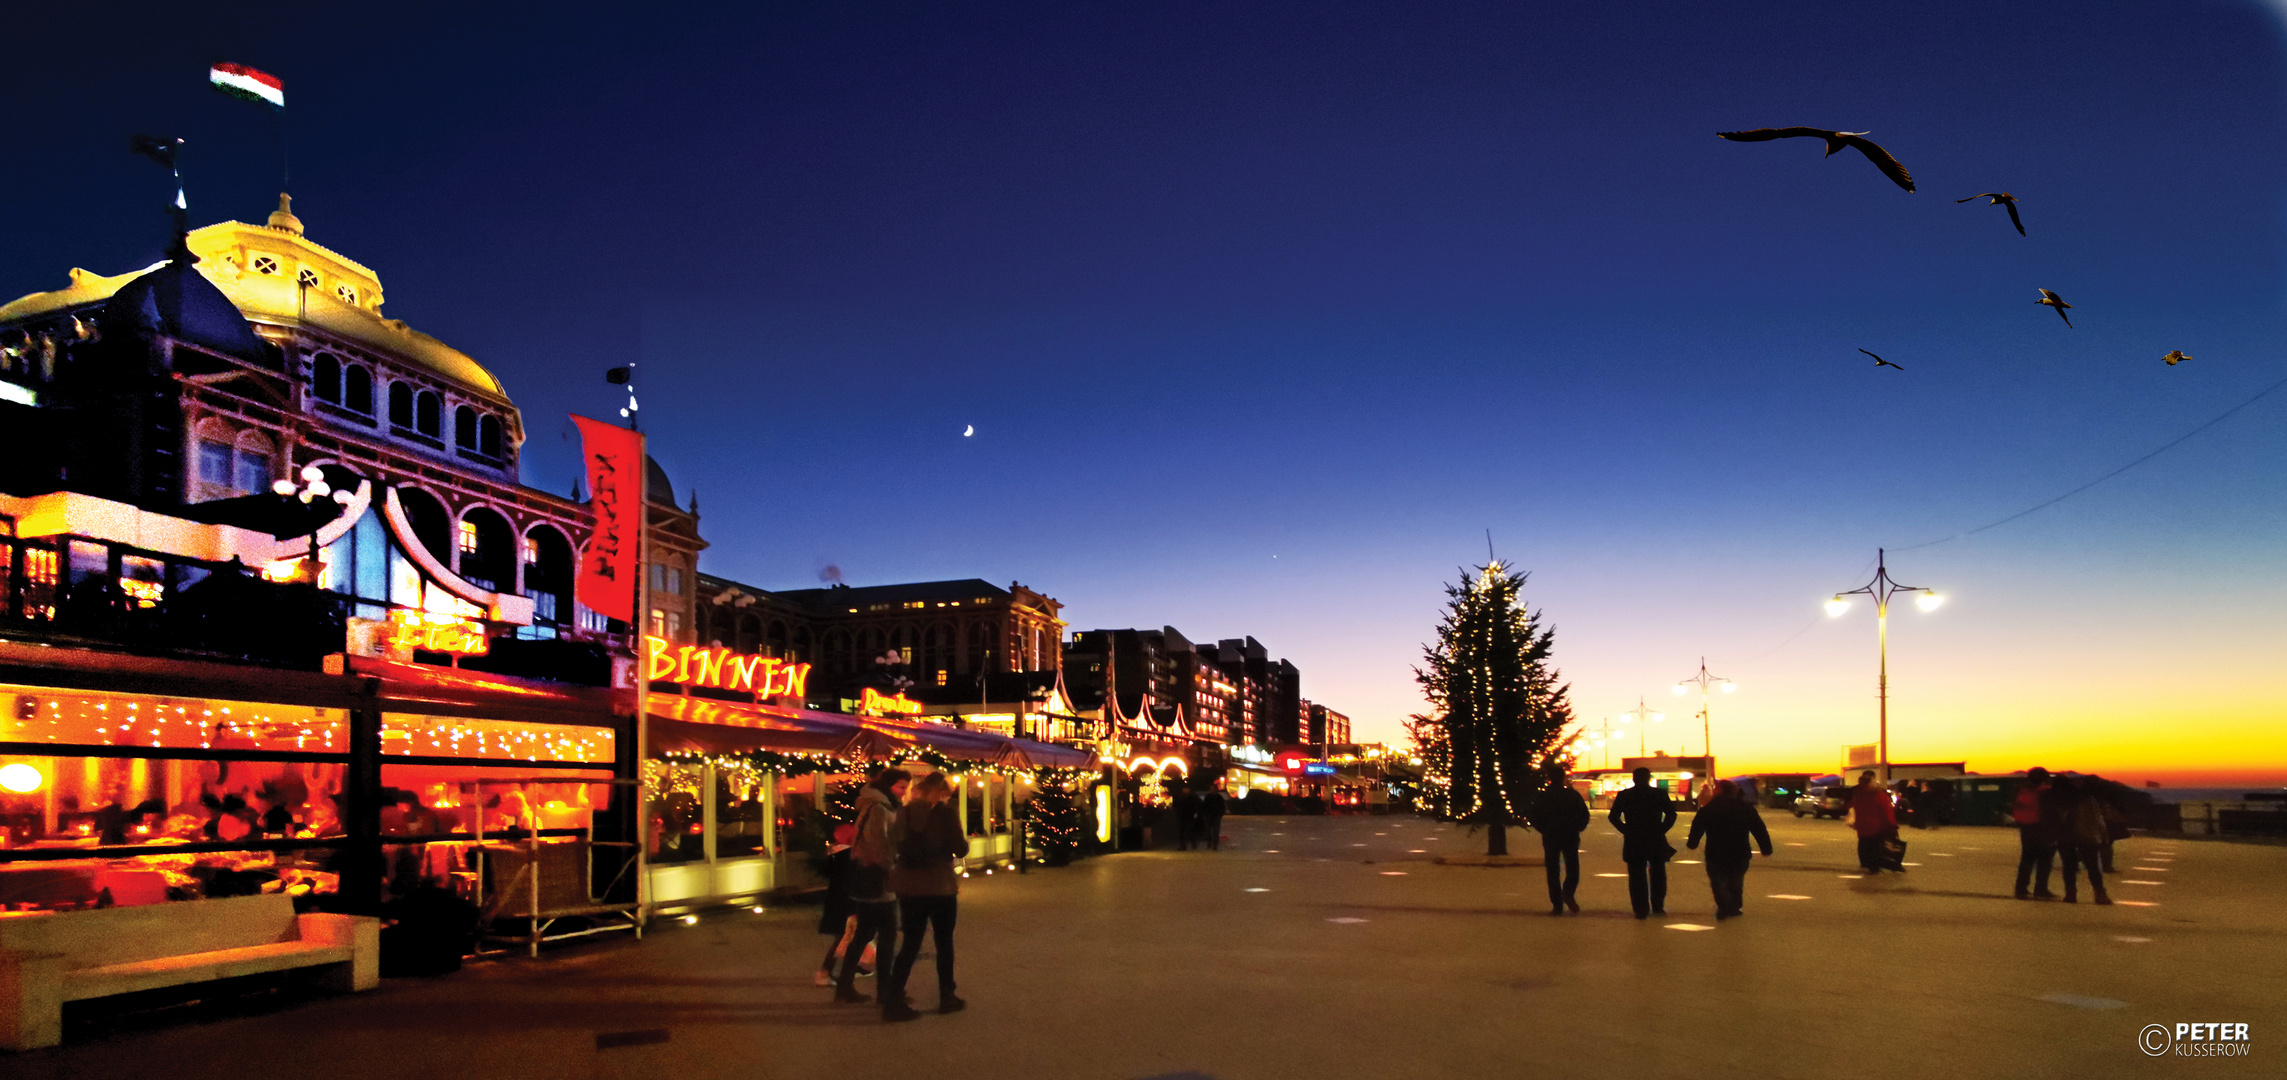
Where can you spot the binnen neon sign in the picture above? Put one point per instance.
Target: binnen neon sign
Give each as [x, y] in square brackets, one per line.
[723, 669]
[873, 702]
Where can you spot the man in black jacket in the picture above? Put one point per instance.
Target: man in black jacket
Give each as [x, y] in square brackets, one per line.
[1559, 813]
[1643, 814]
[1727, 821]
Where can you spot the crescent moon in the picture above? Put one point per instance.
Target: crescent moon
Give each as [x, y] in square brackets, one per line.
[968, 431]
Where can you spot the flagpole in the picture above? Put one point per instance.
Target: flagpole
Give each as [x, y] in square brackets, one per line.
[642, 680]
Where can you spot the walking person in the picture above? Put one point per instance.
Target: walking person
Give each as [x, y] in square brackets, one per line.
[1559, 814]
[870, 895]
[1644, 814]
[1187, 816]
[1726, 822]
[1211, 806]
[928, 838]
[837, 917]
[2036, 848]
[1873, 819]
[2080, 838]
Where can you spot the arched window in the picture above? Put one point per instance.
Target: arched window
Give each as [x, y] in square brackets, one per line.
[798, 647]
[357, 389]
[774, 643]
[432, 526]
[936, 652]
[400, 405]
[548, 575]
[464, 427]
[980, 647]
[254, 471]
[489, 562]
[325, 377]
[749, 633]
[837, 651]
[488, 441]
[429, 414]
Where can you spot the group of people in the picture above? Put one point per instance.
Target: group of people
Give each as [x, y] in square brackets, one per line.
[896, 875]
[1199, 818]
[1727, 822]
[2058, 817]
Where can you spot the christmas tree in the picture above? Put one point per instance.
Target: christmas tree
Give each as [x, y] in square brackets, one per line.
[1498, 711]
[1055, 814]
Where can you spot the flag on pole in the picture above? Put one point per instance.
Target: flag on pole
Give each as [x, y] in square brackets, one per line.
[238, 80]
[609, 563]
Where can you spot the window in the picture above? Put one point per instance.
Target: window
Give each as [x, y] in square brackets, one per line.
[265, 264]
[658, 622]
[214, 462]
[325, 377]
[531, 551]
[488, 440]
[347, 294]
[357, 389]
[400, 405]
[674, 581]
[253, 473]
[429, 414]
[464, 427]
[306, 278]
[468, 537]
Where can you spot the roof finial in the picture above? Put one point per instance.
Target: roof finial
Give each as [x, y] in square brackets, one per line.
[283, 219]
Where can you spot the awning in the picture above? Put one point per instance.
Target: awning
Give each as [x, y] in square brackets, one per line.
[703, 725]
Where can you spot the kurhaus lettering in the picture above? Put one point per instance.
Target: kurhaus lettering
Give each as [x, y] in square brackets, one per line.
[723, 669]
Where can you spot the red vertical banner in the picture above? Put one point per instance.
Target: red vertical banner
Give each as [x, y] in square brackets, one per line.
[611, 563]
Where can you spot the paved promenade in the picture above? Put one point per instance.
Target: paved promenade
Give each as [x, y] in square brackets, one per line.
[1315, 947]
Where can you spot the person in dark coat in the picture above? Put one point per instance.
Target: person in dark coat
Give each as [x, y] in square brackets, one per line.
[928, 839]
[1211, 804]
[1726, 822]
[1559, 814]
[2080, 837]
[1188, 817]
[1644, 814]
[837, 917]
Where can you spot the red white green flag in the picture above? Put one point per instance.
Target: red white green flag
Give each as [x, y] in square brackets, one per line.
[238, 80]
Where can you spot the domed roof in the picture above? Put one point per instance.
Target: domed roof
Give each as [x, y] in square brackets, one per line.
[656, 486]
[273, 274]
[174, 300]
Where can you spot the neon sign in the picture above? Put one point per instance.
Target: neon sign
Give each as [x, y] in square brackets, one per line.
[432, 632]
[872, 701]
[723, 669]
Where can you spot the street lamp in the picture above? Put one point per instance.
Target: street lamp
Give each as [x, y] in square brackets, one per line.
[1601, 737]
[1882, 588]
[1644, 717]
[312, 488]
[1706, 680]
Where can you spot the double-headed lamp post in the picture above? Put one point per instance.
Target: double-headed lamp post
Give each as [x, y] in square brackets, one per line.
[1705, 680]
[1600, 737]
[1882, 588]
[1645, 718]
[312, 488]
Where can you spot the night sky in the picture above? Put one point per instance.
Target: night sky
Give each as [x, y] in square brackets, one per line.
[1265, 313]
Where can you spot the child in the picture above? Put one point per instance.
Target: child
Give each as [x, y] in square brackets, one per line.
[839, 918]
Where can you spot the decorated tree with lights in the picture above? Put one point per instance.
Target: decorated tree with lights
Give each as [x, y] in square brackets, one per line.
[1497, 709]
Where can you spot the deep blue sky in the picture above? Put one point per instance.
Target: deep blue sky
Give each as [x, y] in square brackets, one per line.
[1265, 312]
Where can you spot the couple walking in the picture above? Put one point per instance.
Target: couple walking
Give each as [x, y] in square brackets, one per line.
[901, 869]
[1643, 814]
[2057, 816]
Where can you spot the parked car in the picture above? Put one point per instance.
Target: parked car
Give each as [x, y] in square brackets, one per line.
[1824, 800]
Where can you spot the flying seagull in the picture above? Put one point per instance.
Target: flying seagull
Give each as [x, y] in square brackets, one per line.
[2004, 199]
[1879, 362]
[1835, 140]
[2058, 302]
[2175, 356]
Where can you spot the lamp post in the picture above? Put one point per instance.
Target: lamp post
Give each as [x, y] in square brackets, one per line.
[1705, 680]
[1602, 734]
[1644, 718]
[1882, 588]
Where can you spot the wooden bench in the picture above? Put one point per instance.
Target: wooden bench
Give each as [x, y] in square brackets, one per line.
[46, 960]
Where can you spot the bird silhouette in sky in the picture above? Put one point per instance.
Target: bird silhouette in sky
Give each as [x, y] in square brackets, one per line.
[2003, 199]
[1835, 140]
[2175, 356]
[2058, 302]
[1879, 362]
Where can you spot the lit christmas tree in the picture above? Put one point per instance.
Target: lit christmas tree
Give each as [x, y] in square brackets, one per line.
[1499, 711]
